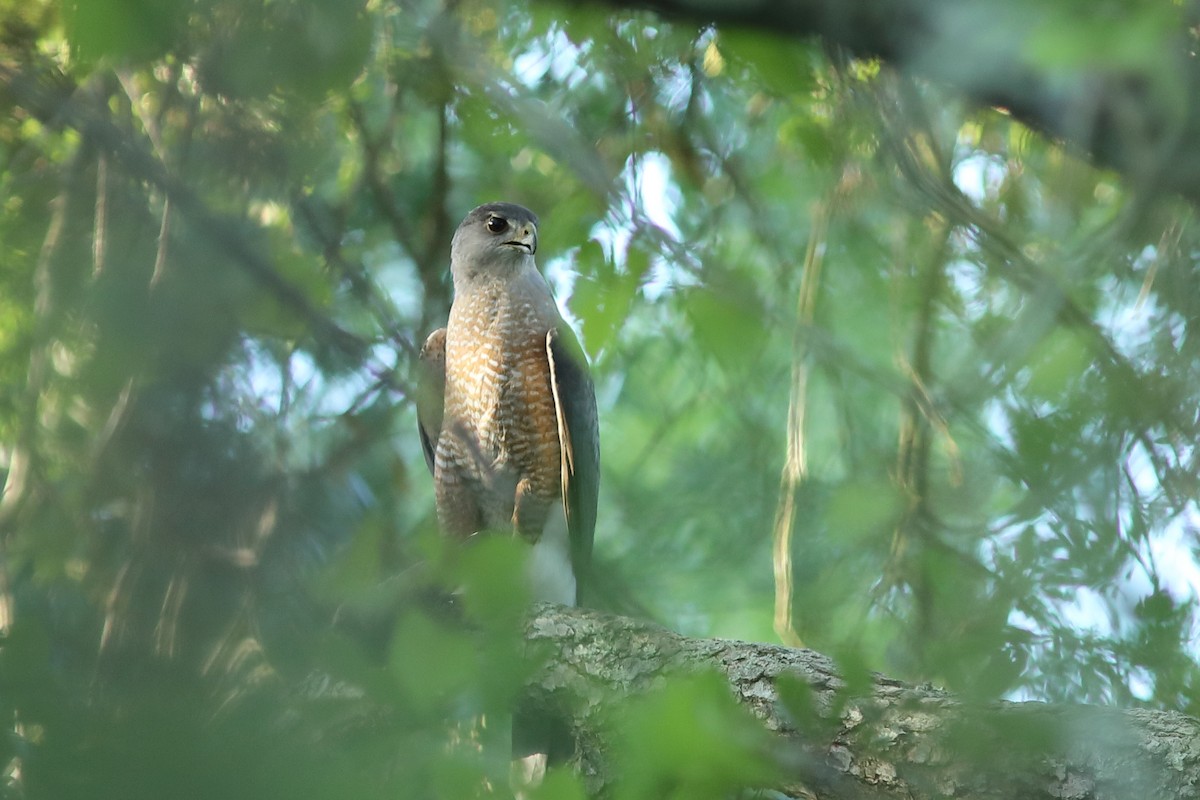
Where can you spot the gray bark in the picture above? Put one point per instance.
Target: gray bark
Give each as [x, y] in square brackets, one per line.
[1131, 104]
[886, 740]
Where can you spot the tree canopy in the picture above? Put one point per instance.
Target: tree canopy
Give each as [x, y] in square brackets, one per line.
[890, 328]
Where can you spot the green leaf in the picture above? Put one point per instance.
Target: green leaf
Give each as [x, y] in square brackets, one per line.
[864, 509]
[779, 63]
[433, 664]
[691, 739]
[1058, 363]
[123, 30]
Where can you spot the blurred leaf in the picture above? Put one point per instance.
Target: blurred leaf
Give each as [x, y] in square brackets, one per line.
[1058, 363]
[559, 784]
[864, 508]
[433, 664]
[603, 303]
[1067, 40]
[798, 698]
[690, 739]
[728, 326]
[777, 62]
[136, 30]
[495, 591]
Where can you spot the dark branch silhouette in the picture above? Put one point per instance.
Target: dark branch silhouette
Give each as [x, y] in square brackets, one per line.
[1138, 117]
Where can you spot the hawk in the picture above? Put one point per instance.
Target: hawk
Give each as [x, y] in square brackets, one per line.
[507, 410]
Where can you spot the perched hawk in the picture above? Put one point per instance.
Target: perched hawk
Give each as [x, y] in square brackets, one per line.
[507, 411]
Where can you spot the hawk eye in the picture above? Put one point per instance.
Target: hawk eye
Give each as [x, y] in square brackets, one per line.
[496, 224]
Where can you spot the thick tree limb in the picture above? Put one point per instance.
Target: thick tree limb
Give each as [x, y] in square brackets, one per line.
[1125, 89]
[891, 740]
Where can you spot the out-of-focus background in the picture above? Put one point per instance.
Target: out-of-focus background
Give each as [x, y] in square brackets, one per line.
[846, 330]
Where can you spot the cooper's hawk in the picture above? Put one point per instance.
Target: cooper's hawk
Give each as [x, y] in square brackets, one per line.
[507, 412]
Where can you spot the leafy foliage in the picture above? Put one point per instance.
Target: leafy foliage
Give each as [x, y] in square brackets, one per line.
[225, 233]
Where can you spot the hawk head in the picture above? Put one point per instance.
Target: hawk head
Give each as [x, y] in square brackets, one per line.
[494, 240]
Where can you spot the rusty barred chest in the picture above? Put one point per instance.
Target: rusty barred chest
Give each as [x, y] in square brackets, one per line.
[500, 434]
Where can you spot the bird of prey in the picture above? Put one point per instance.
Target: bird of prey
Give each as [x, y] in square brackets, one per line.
[507, 410]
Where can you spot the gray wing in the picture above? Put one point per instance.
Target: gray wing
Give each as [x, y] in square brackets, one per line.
[431, 392]
[579, 440]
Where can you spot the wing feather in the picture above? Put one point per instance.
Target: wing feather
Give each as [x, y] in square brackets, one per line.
[431, 393]
[579, 441]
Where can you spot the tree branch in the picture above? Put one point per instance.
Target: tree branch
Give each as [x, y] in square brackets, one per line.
[1138, 114]
[887, 740]
[49, 96]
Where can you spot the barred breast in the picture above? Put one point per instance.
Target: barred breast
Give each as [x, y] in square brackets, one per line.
[500, 432]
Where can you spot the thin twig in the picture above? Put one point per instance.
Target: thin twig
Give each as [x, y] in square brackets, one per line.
[795, 467]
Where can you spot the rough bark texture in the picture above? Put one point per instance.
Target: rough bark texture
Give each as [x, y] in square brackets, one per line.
[1138, 114]
[892, 740]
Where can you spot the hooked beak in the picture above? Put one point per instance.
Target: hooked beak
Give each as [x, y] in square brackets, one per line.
[525, 239]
